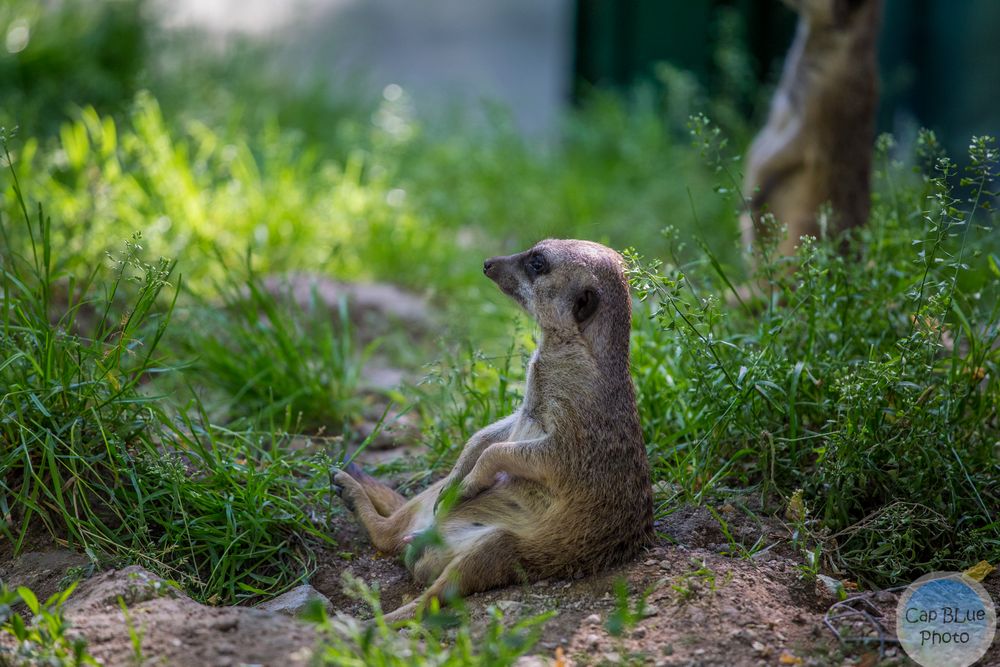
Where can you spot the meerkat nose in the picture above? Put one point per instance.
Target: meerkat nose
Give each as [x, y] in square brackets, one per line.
[487, 265]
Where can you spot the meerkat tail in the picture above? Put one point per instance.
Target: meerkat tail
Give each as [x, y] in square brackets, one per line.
[487, 563]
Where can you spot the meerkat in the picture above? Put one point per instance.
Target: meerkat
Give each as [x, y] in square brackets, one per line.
[558, 488]
[816, 146]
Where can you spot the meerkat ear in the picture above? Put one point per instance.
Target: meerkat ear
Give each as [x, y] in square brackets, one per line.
[585, 305]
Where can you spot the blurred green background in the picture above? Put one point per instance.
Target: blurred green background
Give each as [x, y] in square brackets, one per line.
[940, 67]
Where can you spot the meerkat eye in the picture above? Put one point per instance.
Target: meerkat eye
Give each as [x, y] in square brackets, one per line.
[537, 265]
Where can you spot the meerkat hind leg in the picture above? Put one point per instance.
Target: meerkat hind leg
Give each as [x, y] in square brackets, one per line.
[386, 532]
[384, 499]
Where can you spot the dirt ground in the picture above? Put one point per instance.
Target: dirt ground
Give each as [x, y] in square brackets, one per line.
[702, 608]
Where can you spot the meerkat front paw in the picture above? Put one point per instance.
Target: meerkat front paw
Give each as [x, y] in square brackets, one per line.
[469, 488]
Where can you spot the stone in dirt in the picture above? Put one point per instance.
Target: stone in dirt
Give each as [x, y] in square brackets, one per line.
[295, 601]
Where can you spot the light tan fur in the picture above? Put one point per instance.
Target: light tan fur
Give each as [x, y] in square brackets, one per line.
[561, 486]
[816, 146]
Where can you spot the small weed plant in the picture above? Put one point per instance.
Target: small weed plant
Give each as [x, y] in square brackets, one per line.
[41, 639]
[436, 638]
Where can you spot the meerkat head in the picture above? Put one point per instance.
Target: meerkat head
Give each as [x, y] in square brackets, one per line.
[572, 288]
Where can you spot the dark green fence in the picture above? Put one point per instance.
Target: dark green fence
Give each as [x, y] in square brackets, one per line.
[940, 58]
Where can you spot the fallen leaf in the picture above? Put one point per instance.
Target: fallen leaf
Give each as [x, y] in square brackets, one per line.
[979, 570]
[789, 659]
[868, 660]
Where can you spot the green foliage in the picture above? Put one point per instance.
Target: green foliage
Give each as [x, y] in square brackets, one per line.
[197, 192]
[625, 616]
[868, 380]
[42, 640]
[435, 639]
[55, 57]
[90, 454]
[135, 635]
[271, 356]
[700, 578]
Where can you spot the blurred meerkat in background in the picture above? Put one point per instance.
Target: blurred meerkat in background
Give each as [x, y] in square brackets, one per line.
[816, 147]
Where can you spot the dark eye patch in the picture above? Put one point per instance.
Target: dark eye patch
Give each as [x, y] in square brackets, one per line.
[536, 265]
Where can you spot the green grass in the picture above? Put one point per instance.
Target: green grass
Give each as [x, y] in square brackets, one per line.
[274, 360]
[89, 450]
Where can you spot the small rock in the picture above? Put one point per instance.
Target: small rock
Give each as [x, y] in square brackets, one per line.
[530, 661]
[829, 586]
[613, 657]
[730, 612]
[664, 564]
[650, 610]
[541, 583]
[592, 641]
[225, 648]
[638, 633]
[227, 624]
[593, 619]
[508, 606]
[650, 561]
[885, 596]
[294, 601]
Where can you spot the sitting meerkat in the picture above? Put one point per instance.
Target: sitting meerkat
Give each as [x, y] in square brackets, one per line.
[560, 487]
[816, 147]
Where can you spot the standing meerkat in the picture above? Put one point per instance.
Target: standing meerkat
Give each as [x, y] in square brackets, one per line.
[816, 147]
[561, 486]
